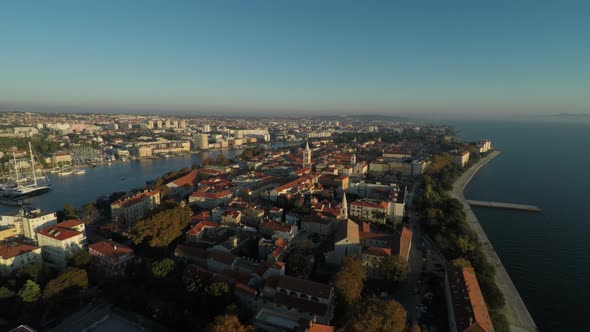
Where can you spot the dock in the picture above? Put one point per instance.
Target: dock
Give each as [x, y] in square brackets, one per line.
[510, 206]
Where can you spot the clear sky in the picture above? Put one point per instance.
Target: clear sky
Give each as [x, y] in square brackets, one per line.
[399, 57]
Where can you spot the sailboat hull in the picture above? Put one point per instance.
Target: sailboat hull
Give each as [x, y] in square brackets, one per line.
[27, 192]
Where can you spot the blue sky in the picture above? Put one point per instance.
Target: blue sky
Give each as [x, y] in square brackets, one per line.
[400, 57]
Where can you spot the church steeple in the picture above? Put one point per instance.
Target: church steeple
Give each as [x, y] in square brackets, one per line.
[353, 159]
[307, 155]
[344, 208]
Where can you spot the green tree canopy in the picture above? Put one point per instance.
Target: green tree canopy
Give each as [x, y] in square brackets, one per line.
[71, 280]
[69, 212]
[163, 267]
[395, 269]
[374, 315]
[217, 288]
[80, 258]
[30, 292]
[160, 229]
[350, 280]
[89, 213]
[5, 293]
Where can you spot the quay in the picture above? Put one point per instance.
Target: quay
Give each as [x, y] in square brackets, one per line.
[516, 312]
[499, 205]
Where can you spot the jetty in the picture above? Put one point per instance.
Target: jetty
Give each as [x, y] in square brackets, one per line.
[499, 205]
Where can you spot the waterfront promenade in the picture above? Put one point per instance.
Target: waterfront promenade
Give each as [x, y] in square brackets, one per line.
[515, 310]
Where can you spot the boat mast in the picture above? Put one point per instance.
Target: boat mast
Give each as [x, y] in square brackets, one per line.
[16, 170]
[33, 163]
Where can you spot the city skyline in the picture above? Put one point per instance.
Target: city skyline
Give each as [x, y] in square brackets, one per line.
[424, 59]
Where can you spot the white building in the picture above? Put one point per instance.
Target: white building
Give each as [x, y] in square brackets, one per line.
[202, 141]
[14, 256]
[28, 221]
[131, 209]
[460, 158]
[60, 241]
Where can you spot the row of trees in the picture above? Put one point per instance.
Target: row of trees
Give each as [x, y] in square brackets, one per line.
[445, 221]
[35, 289]
[358, 313]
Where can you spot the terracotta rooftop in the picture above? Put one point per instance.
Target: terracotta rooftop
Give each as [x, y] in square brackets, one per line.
[471, 313]
[202, 225]
[70, 223]
[308, 287]
[9, 251]
[222, 257]
[58, 233]
[374, 251]
[186, 179]
[126, 202]
[111, 249]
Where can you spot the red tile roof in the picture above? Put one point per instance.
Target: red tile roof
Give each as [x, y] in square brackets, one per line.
[405, 242]
[8, 251]
[202, 225]
[126, 202]
[186, 179]
[58, 233]
[222, 257]
[380, 205]
[109, 248]
[70, 223]
[316, 327]
[211, 195]
[374, 251]
[308, 287]
[471, 311]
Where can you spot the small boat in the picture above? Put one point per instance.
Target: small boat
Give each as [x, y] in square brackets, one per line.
[80, 172]
[65, 173]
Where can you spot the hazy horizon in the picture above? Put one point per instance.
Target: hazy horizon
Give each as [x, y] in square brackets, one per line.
[414, 59]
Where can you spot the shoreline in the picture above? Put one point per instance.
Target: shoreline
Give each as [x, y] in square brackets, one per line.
[515, 310]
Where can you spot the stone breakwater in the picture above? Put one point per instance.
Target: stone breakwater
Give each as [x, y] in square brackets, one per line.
[515, 310]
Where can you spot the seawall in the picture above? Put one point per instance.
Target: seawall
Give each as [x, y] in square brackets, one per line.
[515, 310]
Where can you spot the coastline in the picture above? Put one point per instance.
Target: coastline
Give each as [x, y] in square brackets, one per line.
[515, 310]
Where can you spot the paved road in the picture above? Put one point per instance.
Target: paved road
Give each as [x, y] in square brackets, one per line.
[515, 310]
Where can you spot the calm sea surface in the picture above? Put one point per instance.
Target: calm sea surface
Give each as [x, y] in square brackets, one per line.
[544, 163]
[105, 179]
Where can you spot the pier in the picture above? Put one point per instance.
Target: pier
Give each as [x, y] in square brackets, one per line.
[510, 206]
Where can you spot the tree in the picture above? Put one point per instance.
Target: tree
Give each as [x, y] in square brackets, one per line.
[415, 328]
[225, 323]
[394, 269]
[30, 271]
[89, 213]
[491, 293]
[374, 315]
[162, 228]
[217, 288]
[297, 263]
[499, 321]
[5, 293]
[80, 258]
[163, 267]
[30, 292]
[350, 280]
[72, 280]
[69, 212]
